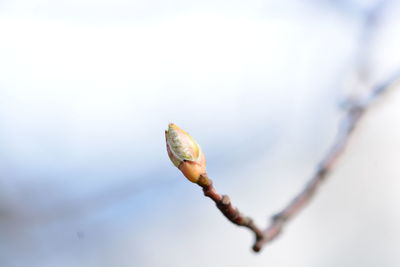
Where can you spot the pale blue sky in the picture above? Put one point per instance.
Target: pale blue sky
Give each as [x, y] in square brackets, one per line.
[88, 87]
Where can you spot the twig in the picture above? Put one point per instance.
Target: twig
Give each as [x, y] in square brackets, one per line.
[354, 113]
[224, 204]
[349, 123]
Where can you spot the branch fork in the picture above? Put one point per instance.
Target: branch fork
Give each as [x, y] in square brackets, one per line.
[186, 154]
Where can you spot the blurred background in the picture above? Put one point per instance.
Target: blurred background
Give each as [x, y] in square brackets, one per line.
[87, 89]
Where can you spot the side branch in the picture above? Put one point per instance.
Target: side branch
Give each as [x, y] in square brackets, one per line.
[349, 123]
[224, 204]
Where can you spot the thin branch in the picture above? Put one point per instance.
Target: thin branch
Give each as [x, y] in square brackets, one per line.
[354, 112]
[224, 204]
[349, 123]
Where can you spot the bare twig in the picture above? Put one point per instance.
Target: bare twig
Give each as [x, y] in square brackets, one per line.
[353, 114]
[224, 204]
[349, 123]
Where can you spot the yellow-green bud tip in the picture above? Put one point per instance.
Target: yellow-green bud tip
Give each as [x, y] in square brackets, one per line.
[185, 153]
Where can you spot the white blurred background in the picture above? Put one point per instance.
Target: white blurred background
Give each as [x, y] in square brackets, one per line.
[88, 87]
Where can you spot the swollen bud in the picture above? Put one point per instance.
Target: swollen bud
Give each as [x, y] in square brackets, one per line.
[185, 153]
